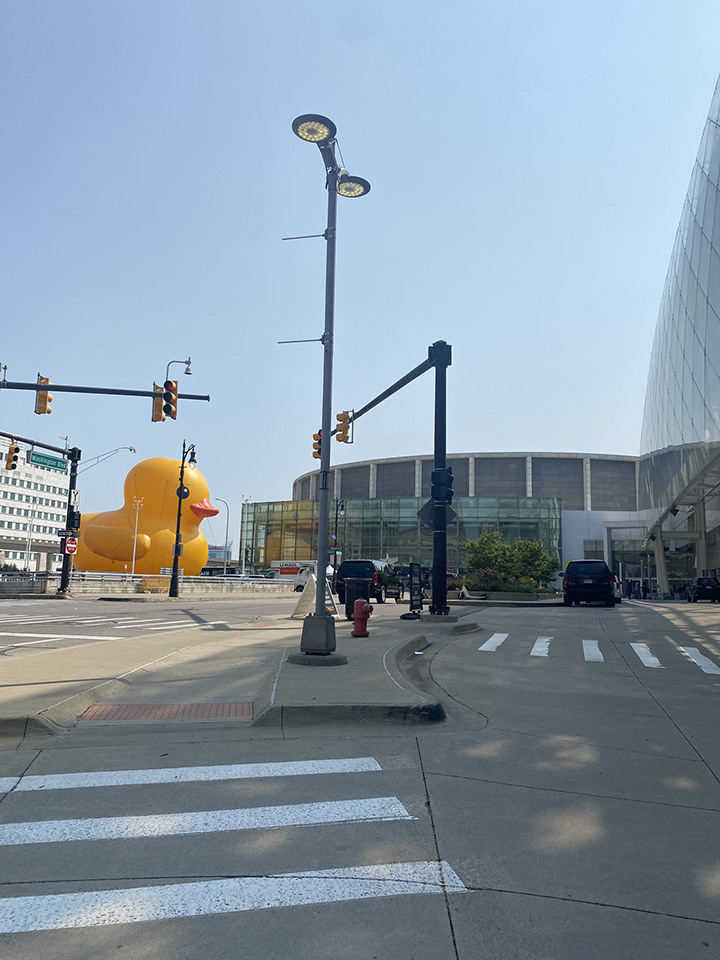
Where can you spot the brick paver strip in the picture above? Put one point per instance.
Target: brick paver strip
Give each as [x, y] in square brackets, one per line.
[168, 711]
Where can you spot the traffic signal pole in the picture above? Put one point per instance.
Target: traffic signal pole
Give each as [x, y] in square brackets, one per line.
[72, 522]
[440, 355]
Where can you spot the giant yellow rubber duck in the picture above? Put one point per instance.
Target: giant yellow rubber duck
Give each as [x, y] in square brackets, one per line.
[106, 540]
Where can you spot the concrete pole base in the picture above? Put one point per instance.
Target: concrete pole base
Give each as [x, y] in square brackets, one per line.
[317, 659]
[318, 635]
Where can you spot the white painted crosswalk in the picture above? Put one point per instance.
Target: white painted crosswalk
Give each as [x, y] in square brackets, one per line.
[592, 652]
[131, 904]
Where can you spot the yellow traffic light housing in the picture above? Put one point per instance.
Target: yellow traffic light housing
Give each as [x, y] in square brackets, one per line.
[158, 414]
[43, 399]
[170, 399]
[317, 445]
[342, 431]
[13, 455]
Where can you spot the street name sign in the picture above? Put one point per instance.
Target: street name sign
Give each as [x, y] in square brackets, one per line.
[43, 460]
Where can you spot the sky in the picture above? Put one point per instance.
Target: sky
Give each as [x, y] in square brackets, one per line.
[528, 164]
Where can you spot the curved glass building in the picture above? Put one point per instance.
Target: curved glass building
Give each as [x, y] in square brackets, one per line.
[680, 442]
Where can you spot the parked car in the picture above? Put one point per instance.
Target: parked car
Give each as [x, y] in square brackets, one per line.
[588, 580]
[704, 588]
[384, 581]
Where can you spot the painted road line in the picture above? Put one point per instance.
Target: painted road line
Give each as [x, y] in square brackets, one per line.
[7, 783]
[29, 643]
[205, 821]
[541, 647]
[591, 651]
[705, 664]
[234, 771]
[185, 626]
[44, 636]
[494, 642]
[143, 623]
[98, 908]
[648, 659]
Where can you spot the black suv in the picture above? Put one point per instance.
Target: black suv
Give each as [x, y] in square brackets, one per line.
[384, 581]
[704, 588]
[588, 580]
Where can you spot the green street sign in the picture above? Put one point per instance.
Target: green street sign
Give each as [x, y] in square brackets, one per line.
[43, 460]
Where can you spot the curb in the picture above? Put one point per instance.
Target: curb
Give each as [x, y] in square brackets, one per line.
[357, 713]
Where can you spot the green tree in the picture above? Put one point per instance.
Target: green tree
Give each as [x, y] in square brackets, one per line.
[530, 560]
[494, 561]
[488, 552]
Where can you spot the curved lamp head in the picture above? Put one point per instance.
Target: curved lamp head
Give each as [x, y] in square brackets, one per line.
[314, 128]
[192, 462]
[188, 371]
[348, 186]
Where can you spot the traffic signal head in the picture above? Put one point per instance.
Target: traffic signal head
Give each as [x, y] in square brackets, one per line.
[317, 445]
[170, 399]
[13, 455]
[158, 414]
[342, 431]
[43, 398]
[442, 484]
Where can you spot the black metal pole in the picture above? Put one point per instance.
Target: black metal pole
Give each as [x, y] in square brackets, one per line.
[177, 551]
[440, 355]
[73, 456]
[318, 633]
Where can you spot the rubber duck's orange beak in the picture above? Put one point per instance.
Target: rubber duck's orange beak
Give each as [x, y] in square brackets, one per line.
[203, 508]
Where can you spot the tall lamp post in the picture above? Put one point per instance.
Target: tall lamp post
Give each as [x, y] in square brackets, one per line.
[138, 504]
[318, 633]
[243, 528]
[188, 453]
[227, 524]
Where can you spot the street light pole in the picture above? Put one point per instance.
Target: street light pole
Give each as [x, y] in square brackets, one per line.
[227, 524]
[137, 503]
[182, 493]
[318, 633]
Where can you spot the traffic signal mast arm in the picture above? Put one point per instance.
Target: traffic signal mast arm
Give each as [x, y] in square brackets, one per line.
[103, 391]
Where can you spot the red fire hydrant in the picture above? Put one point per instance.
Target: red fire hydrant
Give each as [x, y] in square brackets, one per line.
[362, 609]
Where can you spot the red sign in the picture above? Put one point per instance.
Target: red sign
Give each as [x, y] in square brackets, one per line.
[71, 545]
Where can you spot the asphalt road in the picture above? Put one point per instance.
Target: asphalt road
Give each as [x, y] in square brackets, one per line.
[34, 625]
[568, 809]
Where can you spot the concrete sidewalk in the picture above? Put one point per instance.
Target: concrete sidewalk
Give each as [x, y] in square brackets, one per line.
[235, 674]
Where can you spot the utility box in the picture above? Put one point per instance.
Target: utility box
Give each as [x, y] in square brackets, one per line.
[355, 588]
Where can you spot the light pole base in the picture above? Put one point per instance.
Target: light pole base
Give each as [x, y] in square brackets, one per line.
[317, 659]
[318, 635]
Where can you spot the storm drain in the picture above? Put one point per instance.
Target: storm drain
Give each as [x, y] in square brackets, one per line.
[169, 711]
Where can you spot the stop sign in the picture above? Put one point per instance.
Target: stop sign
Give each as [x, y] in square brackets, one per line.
[71, 545]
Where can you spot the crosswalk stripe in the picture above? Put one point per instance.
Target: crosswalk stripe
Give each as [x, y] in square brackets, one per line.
[7, 783]
[129, 625]
[648, 659]
[705, 664]
[185, 626]
[494, 642]
[541, 647]
[236, 771]
[44, 636]
[206, 821]
[141, 904]
[591, 651]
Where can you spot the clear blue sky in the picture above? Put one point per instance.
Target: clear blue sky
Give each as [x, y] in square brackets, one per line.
[528, 164]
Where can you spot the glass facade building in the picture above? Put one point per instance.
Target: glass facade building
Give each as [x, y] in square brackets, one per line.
[681, 422]
[389, 528]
